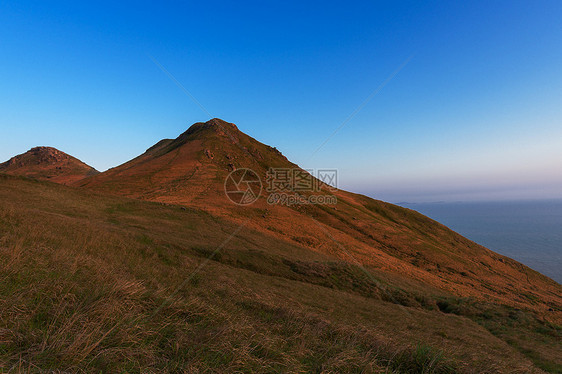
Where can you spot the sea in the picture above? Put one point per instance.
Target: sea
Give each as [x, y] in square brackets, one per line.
[527, 231]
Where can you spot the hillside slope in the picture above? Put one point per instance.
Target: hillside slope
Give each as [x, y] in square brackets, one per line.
[47, 163]
[191, 171]
[411, 259]
[96, 283]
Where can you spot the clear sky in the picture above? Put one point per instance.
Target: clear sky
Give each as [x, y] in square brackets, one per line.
[476, 113]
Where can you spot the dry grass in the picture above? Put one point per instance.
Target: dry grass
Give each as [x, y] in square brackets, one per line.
[82, 275]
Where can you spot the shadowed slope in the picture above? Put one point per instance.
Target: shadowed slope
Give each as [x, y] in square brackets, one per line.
[47, 163]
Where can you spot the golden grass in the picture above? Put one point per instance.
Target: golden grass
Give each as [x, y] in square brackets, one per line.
[82, 275]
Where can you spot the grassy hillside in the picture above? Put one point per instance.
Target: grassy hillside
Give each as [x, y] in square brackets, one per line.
[403, 246]
[94, 283]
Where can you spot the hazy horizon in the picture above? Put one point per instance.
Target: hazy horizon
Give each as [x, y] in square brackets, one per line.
[425, 102]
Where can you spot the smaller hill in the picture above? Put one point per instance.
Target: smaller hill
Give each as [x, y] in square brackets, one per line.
[47, 163]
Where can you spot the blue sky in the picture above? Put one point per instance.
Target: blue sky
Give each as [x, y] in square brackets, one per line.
[476, 114]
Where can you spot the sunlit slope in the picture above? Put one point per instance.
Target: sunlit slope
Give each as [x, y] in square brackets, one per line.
[98, 283]
[47, 163]
[399, 243]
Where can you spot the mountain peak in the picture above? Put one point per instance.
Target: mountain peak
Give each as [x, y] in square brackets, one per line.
[217, 122]
[187, 166]
[48, 154]
[215, 125]
[47, 163]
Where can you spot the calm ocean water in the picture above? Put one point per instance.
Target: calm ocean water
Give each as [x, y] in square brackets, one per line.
[529, 232]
